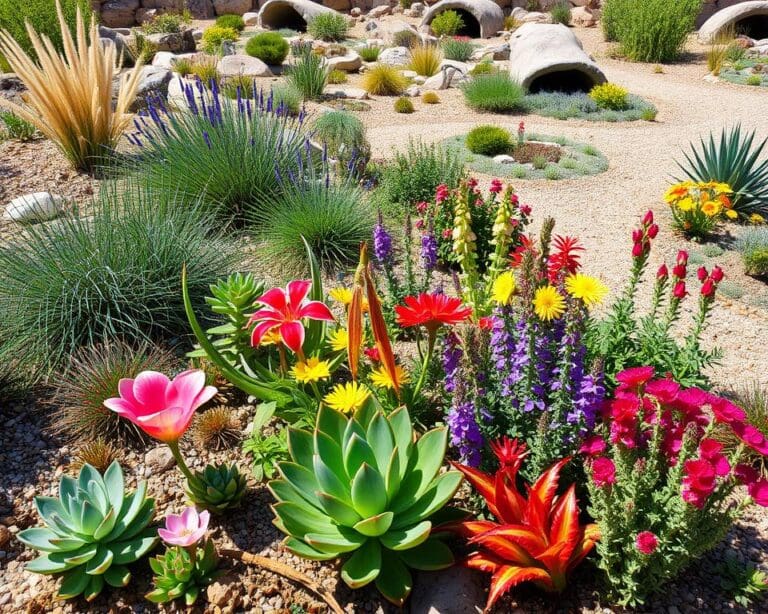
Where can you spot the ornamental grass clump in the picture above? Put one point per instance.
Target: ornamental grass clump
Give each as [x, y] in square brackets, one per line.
[753, 246]
[662, 489]
[93, 531]
[458, 48]
[330, 26]
[404, 105]
[70, 95]
[219, 154]
[113, 275]
[363, 490]
[369, 53]
[343, 135]
[235, 22]
[384, 80]
[425, 60]
[494, 93]
[308, 74]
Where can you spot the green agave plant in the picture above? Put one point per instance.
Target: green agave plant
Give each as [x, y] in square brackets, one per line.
[177, 574]
[732, 160]
[216, 488]
[360, 488]
[93, 530]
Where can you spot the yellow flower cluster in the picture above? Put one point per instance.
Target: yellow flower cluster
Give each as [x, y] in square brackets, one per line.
[311, 370]
[698, 207]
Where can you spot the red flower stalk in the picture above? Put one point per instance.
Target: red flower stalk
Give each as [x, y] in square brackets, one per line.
[663, 272]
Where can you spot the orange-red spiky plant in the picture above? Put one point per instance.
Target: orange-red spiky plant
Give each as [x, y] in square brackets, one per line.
[537, 538]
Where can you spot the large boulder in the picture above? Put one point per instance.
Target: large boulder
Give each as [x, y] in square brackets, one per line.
[242, 65]
[153, 85]
[395, 56]
[549, 57]
[750, 18]
[175, 42]
[200, 9]
[293, 14]
[482, 18]
[232, 7]
[119, 13]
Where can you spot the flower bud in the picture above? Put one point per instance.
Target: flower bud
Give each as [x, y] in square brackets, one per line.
[708, 288]
[663, 272]
[702, 273]
[653, 231]
[717, 275]
[648, 219]
[637, 235]
[679, 292]
[682, 257]
[679, 271]
[637, 250]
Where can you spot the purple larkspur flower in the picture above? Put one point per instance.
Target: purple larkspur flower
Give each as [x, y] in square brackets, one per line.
[451, 357]
[382, 242]
[465, 432]
[428, 251]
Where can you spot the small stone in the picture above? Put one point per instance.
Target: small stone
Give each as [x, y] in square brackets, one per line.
[159, 459]
[222, 592]
[31, 208]
[503, 159]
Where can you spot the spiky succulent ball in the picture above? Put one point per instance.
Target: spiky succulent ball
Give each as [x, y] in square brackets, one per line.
[98, 453]
[216, 429]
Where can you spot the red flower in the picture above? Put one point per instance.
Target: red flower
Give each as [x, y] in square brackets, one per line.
[419, 224]
[509, 453]
[745, 474]
[565, 258]
[372, 353]
[646, 542]
[421, 207]
[751, 436]
[665, 390]
[635, 377]
[759, 492]
[637, 250]
[496, 186]
[285, 310]
[725, 411]
[698, 482]
[679, 291]
[702, 273]
[679, 271]
[441, 193]
[682, 257]
[431, 311]
[648, 218]
[712, 452]
[603, 471]
[486, 323]
[447, 233]
[525, 209]
[653, 231]
[708, 288]
[717, 275]
[663, 272]
[593, 446]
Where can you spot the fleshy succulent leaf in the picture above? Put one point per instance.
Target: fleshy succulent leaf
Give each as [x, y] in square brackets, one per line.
[431, 555]
[436, 496]
[430, 452]
[301, 447]
[305, 550]
[363, 566]
[74, 583]
[118, 576]
[409, 537]
[100, 562]
[298, 521]
[331, 422]
[375, 525]
[394, 581]
[39, 539]
[329, 482]
[357, 452]
[341, 512]
[369, 496]
[381, 440]
[339, 541]
[94, 587]
[331, 454]
[302, 479]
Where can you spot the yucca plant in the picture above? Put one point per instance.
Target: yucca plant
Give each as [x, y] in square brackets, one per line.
[734, 159]
[70, 95]
[93, 531]
[425, 60]
[359, 488]
[535, 537]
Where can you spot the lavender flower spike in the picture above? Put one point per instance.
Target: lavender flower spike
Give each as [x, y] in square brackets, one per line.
[382, 242]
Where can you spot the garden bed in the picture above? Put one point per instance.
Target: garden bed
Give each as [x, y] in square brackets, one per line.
[747, 71]
[580, 106]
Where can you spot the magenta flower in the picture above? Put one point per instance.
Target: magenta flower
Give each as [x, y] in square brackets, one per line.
[185, 529]
[160, 407]
[646, 542]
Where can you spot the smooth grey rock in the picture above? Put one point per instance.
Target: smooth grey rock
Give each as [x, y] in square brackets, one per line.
[488, 16]
[36, 207]
[295, 14]
[449, 76]
[175, 42]
[200, 9]
[232, 7]
[413, 91]
[159, 459]
[245, 65]
[153, 84]
[503, 159]
[551, 51]
[163, 59]
[395, 56]
[340, 91]
[251, 19]
[731, 16]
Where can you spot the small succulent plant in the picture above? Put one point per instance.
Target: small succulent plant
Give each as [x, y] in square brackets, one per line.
[216, 488]
[360, 488]
[93, 531]
[178, 575]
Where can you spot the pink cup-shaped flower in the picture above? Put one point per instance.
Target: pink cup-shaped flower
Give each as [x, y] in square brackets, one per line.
[160, 407]
[185, 529]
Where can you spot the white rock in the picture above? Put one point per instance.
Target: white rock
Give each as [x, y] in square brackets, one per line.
[446, 78]
[251, 19]
[245, 65]
[409, 74]
[413, 91]
[163, 59]
[380, 11]
[395, 56]
[37, 207]
[503, 159]
[349, 62]
[159, 459]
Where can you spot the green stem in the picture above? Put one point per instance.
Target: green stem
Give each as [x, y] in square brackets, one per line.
[174, 446]
[427, 360]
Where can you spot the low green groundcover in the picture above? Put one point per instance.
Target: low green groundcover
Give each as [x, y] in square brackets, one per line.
[752, 72]
[575, 159]
[579, 105]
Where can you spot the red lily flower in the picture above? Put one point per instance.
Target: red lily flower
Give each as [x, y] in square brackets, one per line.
[431, 311]
[537, 538]
[285, 310]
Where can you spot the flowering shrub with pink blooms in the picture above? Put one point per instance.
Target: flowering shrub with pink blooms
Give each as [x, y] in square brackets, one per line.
[662, 490]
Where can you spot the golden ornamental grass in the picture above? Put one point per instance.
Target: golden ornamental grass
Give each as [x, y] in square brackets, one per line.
[70, 95]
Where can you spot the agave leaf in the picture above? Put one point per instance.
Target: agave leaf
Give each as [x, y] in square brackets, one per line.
[330, 453]
[364, 566]
[409, 537]
[306, 551]
[369, 496]
[140, 521]
[375, 525]
[87, 474]
[356, 453]
[97, 495]
[90, 518]
[75, 557]
[341, 513]
[113, 480]
[432, 555]
[430, 452]
[132, 550]
[394, 581]
[44, 565]
[381, 440]
[436, 496]
[100, 562]
[49, 508]
[301, 447]
[330, 483]
[353, 427]
[106, 526]
[74, 583]
[283, 491]
[94, 587]
[131, 507]
[343, 540]
[331, 422]
[400, 422]
[392, 475]
[298, 521]
[40, 539]
[302, 479]
[65, 544]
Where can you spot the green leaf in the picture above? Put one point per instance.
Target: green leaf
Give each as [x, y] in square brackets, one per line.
[381, 440]
[402, 429]
[100, 562]
[331, 422]
[74, 583]
[113, 480]
[140, 521]
[107, 524]
[50, 508]
[343, 540]
[118, 576]
[432, 555]
[375, 525]
[353, 427]
[44, 565]
[430, 452]
[329, 482]
[158, 595]
[392, 475]
[298, 521]
[342, 513]
[394, 581]
[132, 505]
[306, 551]
[315, 328]
[408, 537]
[363, 566]
[191, 595]
[369, 496]
[90, 518]
[302, 479]
[301, 447]
[356, 453]
[39, 539]
[437, 495]
[75, 557]
[134, 549]
[95, 585]
[330, 453]
[283, 491]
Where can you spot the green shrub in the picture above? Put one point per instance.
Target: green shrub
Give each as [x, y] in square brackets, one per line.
[552, 173]
[215, 36]
[489, 140]
[649, 114]
[384, 80]
[309, 75]
[288, 96]
[486, 67]
[539, 162]
[735, 161]
[754, 80]
[405, 38]
[610, 96]
[458, 48]
[344, 136]
[115, 274]
[167, 23]
[496, 93]
[561, 13]
[337, 76]
[269, 47]
[369, 53]
[41, 14]
[333, 216]
[328, 26]
[447, 23]
[229, 165]
[609, 12]
[404, 105]
[430, 98]
[651, 30]
[231, 21]
[753, 246]
[92, 375]
[240, 84]
[413, 175]
[16, 128]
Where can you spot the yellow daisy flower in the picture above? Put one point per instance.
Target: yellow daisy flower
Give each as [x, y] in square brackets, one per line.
[341, 295]
[548, 303]
[731, 214]
[756, 218]
[382, 379]
[685, 204]
[589, 289]
[338, 339]
[312, 370]
[711, 208]
[504, 288]
[675, 192]
[347, 397]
